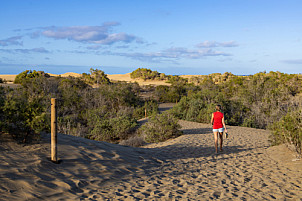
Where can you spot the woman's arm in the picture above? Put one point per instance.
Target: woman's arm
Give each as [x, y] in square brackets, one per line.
[212, 119]
[224, 124]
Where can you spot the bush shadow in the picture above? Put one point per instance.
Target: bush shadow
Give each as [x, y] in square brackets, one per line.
[197, 131]
[173, 152]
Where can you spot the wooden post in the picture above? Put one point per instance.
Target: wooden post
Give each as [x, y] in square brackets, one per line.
[146, 112]
[54, 156]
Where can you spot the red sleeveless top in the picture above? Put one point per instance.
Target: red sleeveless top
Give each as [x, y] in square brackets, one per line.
[217, 120]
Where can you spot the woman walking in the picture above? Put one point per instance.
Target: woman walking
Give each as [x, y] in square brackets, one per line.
[218, 126]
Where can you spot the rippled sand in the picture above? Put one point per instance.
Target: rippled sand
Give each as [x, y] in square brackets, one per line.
[185, 168]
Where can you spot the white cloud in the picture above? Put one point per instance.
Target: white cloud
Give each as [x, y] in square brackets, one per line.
[89, 34]
[116, 37]
[212, 44]
[293, 61]
[170, 54]
[26, 51]
[193, 54]
[11, 41]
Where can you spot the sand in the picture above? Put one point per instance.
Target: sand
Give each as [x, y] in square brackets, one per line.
[126, 77]
[185, 168]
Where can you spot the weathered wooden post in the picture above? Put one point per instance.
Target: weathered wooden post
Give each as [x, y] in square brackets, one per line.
[146, 112]
[54, 155]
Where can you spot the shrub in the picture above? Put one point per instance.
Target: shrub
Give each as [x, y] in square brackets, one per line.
[151, 108]
[104, 113]
[254, 101]
[70, 91]
[168, 94]
[160, 128]
[2, 99]
[288, 130]
[24, 116]
[29, 74]
[121, 94]
[147, 74]
[112, 129]
[195, 107]
[177, 80]
[96, 76]
[134, 141]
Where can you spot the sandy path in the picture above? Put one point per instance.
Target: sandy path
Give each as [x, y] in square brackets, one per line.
[184, 168]
[191, 170]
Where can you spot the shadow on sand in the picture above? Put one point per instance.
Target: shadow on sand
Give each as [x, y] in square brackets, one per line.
[198, 131]
[173, 152]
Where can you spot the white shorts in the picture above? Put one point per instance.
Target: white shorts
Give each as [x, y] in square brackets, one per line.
[218, 130]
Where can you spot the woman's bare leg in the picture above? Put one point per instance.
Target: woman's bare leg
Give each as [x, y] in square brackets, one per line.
[221, 140]
[216, 141]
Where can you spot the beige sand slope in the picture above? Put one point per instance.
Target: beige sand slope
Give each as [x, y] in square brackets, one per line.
[113, 77]
[126, 77]
[184, 168]
[9, 78]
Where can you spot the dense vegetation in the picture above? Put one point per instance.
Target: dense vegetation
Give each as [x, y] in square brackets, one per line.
[253, 101]
[148, 74]
[256, 101]
[96, 77]
[28, 74]
[93, 107]
[160, 128]
[108, 112]
[289, 130]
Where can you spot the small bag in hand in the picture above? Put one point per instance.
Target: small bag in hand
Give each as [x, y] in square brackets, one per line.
[226, 135]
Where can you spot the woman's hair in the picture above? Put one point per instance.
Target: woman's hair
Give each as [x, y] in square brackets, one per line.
[218, 107]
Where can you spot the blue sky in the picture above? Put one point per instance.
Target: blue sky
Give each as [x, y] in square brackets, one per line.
[170, 36]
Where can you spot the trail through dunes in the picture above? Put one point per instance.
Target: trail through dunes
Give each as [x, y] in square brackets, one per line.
[185, 168]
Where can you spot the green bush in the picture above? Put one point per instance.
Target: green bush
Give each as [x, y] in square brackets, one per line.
[29, 74]
[2, 99]
[104, 113]
[170, 94]
[70, 91]
[96, 76]
[112, 129]
[177, 80]
[24, 115]
[288, 130]
[147, 74]
[196, 107]
[160, 128]
[121, 94]
[151, 108]
[254, 101]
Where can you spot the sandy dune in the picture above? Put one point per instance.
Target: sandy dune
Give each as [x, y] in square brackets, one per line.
[113, 77]
[126, 77]
[9, 78]
[184, 168]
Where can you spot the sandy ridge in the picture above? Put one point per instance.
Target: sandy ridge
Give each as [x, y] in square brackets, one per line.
[114, 77]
